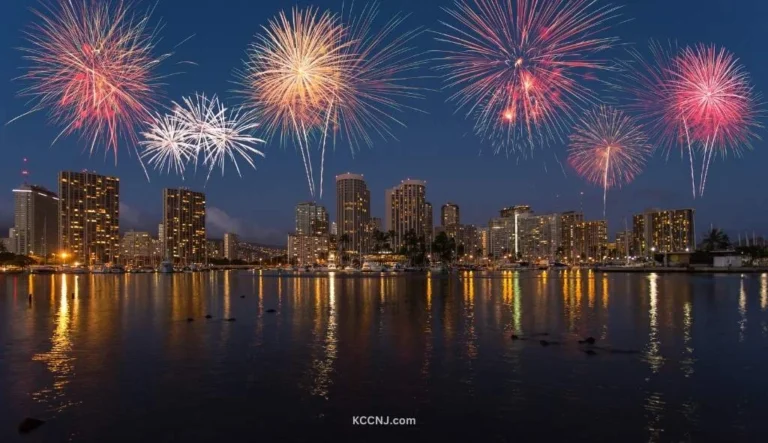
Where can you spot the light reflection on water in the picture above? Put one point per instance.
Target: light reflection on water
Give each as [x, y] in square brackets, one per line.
[675, 358]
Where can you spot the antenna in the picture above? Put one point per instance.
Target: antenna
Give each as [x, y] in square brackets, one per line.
[24, 171]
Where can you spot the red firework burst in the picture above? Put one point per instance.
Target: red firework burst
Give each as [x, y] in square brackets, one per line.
[521, 66]
[92, 69]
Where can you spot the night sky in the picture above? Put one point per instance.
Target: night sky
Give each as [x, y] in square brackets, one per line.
[437, 146]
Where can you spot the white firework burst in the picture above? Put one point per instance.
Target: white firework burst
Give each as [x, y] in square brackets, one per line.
[202, 129]
[167, 144]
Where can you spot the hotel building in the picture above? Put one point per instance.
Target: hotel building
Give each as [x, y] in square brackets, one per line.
[89, 217]
[184, 240]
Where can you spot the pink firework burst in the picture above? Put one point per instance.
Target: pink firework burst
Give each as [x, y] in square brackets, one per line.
[713, 93]
[608, 148]
[521, 68]
[92, 68]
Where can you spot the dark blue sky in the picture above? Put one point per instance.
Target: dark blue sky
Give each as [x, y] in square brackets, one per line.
[437, 146]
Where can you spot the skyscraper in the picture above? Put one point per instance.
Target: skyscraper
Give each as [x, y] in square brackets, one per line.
[512, 210]
[36, 221]
[569, 221]
[663, 231]
[353, 211]
[184, 238]
[449, 214]
[89, 217]
[230, 246]
[405, 209]
[429, 227]
[311, 219]
[591, 240]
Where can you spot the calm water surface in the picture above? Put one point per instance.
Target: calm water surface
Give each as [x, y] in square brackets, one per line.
[678, 357]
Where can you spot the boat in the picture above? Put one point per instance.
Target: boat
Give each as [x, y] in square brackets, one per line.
[542, 265]
[116, 269]
[332, 267]
[438, 269]
[100, 269]
[42, 269]
[398, 268]
[165, 267]
[371, 267]
[76, 270]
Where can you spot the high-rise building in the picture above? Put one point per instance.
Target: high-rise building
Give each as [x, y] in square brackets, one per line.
[184, 238]
[231, 242]
[429, 227]
[353, 211]
[139, 249]
[482, 239]
[311, 219]
[334, 228]
[36, 221]
[663, 231]
[539, 236]
[501, 232]
[569, 222]
[306, 250]
[449, 214]
[405, 209]
[89, 217]
[591, 239]
[624, 244]
[510, 212]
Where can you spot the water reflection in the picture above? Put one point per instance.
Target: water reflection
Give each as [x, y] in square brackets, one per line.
[435, 348]
[323, 367]
[742, 311]
[60, 359]
[653, 352]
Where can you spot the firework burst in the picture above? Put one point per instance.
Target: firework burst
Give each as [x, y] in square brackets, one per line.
[608, 148]
[520, 67]
[92, 67]
[317, 76]
[292, 73]
[713, 94]
[201, 129]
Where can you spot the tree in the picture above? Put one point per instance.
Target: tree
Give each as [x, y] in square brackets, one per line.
[714, 240]
[343, 244]
[2, 247]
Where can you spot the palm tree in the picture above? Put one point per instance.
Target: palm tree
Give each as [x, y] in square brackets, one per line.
[343, 243]
[714, 240]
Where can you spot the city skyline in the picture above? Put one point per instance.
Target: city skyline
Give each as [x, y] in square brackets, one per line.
[437, 146]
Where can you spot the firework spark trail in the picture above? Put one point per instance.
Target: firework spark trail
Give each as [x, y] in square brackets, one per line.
[321, 77]
[713, 93]
[608, 148]
[520, 67]
[201, 129]
[92, 67]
